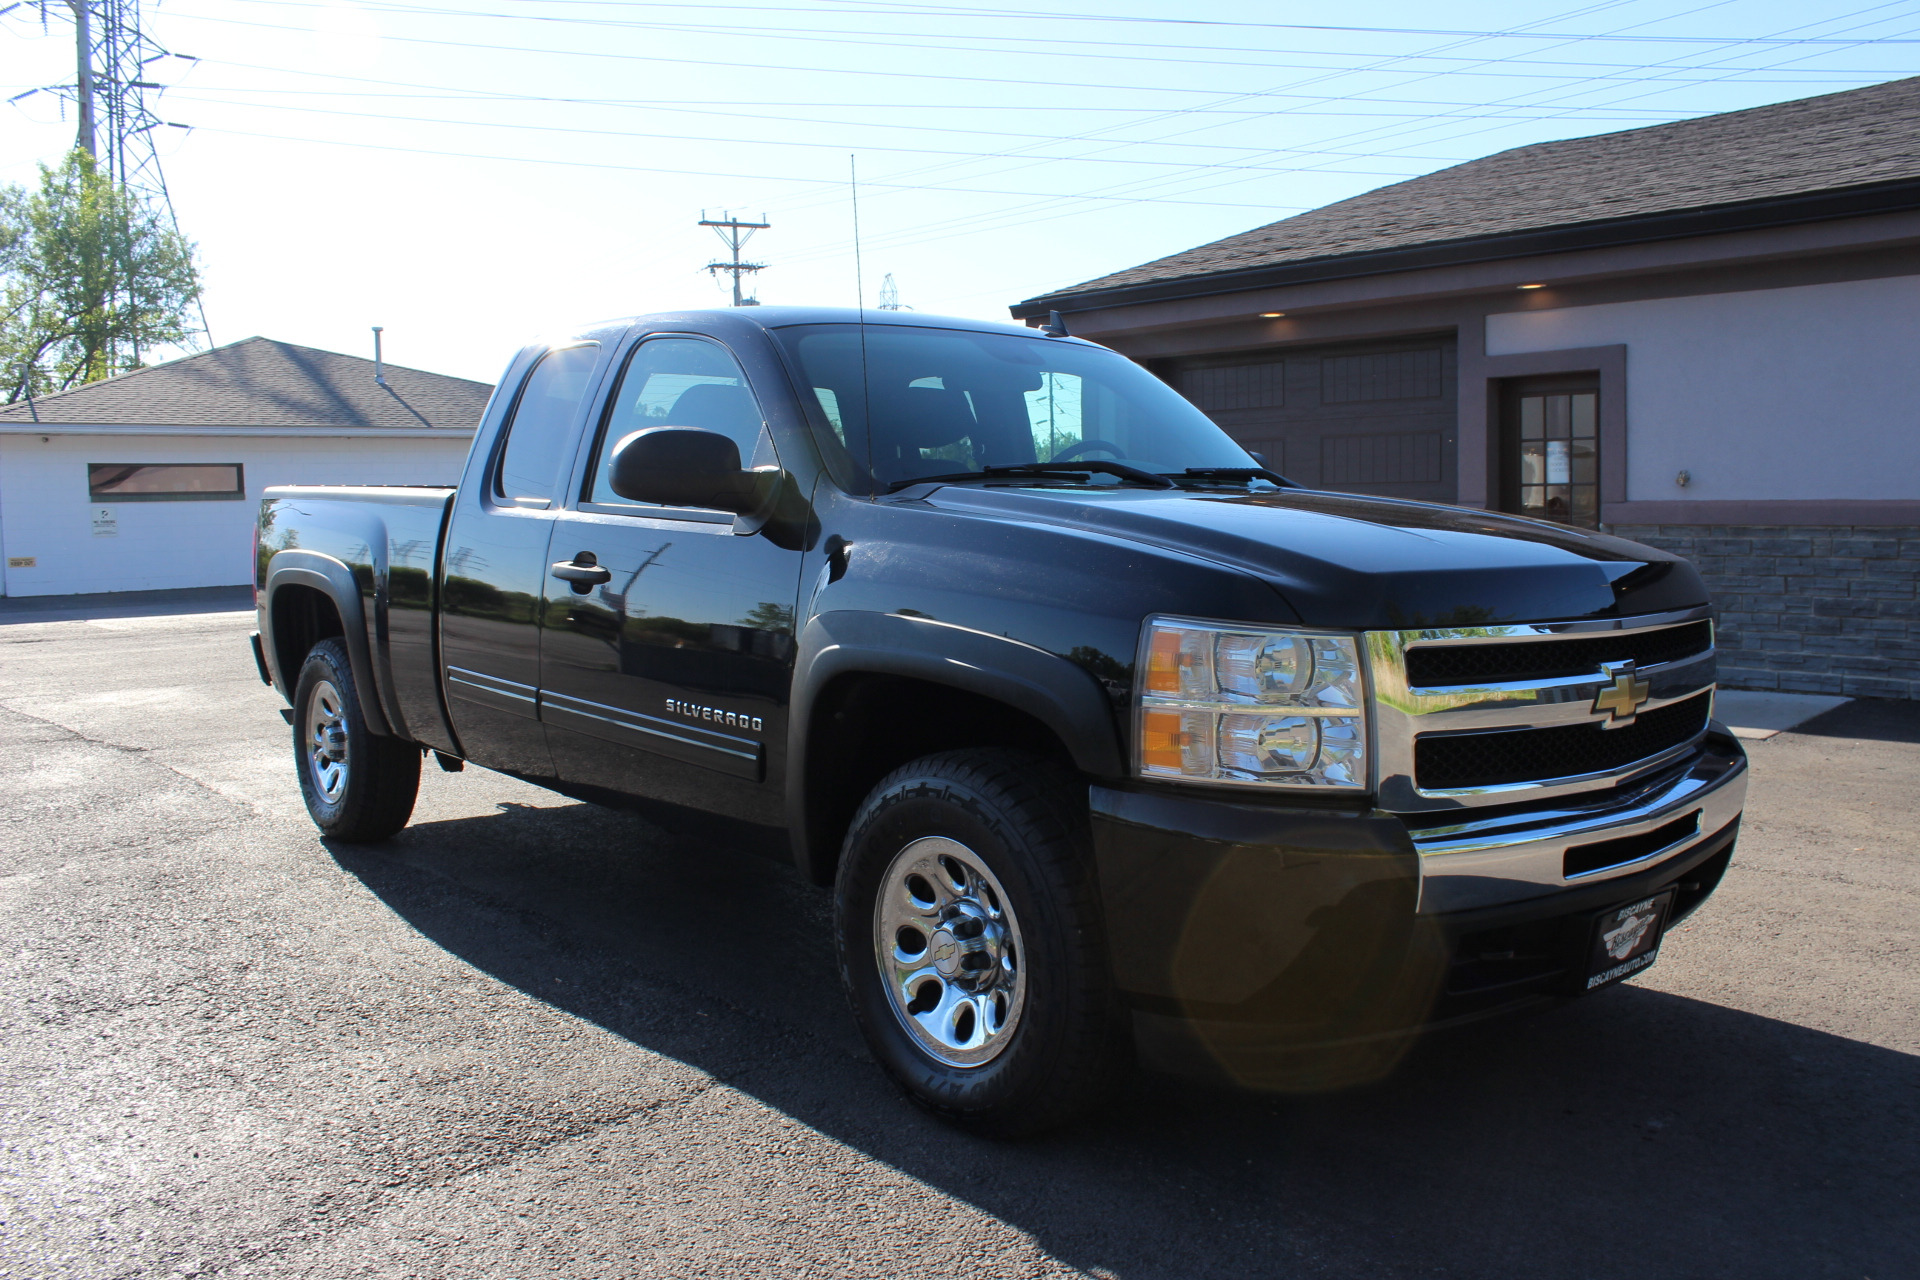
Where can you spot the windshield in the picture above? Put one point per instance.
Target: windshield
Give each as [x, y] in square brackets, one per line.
[935, 402]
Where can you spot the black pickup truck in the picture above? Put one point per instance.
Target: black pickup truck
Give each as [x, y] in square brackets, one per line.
[1109, 740]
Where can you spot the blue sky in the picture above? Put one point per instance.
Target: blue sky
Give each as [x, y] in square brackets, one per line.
[472, 174]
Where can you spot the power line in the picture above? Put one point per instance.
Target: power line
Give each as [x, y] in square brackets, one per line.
[1026, 82]
[1026, 212]
[946, 11]
[761, 142]
[933, 10]
[1078, 48]
[1455, 110]
[1457, 134]
[1129, 192]
[1429, 75]
[696, 173]
[693, 107]
[1164, 184]
[1842, 75]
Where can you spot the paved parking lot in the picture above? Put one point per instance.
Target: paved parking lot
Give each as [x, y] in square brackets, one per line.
[533, 1038]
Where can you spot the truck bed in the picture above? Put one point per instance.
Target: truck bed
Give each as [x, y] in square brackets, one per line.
[387, 538]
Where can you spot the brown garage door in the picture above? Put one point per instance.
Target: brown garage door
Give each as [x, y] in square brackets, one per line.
[1373, 417]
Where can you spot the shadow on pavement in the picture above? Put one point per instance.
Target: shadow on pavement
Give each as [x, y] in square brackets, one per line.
[1634, 1134]
[1877, 719]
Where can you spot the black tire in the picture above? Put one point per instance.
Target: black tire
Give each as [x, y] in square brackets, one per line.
[371, 796]
[1024, 819]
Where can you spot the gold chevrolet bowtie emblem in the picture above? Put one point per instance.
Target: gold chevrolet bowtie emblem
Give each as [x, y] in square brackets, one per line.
[1622, 697]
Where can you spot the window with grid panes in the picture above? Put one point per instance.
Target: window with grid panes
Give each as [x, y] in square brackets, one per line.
[1558, 462]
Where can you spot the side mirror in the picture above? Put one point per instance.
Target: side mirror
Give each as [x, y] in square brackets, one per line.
[685, 467]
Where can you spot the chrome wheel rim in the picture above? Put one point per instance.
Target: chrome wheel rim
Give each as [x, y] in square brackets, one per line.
[950, 953]
[326, 744]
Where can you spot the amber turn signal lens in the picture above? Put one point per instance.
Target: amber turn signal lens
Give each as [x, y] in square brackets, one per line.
[1163, 663]
[1161, 740]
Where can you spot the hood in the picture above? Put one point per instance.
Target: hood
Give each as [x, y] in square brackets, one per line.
[1359, 563]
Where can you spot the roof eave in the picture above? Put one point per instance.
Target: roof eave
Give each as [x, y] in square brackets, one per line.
[1816, 206]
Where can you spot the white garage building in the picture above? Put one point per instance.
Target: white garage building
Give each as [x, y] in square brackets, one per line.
[151, 480]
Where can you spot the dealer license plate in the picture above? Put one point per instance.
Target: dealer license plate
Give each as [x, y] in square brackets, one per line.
[1626, 939]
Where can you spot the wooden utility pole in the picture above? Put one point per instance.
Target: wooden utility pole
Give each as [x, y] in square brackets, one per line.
[735, 234]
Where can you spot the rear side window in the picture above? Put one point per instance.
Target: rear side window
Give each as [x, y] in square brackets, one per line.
[542, 421]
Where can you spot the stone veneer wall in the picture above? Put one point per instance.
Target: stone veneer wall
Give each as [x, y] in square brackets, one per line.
[1808, 608]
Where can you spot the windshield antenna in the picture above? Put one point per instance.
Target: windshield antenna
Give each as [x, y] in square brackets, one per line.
[860, 308]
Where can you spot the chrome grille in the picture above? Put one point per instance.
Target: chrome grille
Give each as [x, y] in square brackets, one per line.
[1507, 713]
[1440, 665]
[1530, 755]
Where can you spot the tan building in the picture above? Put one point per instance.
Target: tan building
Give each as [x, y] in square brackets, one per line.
[1704, 335]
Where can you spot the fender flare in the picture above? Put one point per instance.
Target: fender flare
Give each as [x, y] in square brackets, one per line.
[333, 579]
[1063, 697]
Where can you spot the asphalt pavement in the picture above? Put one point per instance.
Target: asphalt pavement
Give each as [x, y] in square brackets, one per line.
[529, 1037]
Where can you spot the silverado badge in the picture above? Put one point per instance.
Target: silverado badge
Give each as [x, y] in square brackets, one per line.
[1623, 696]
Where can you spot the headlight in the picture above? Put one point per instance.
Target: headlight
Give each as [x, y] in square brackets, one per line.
[1249, 706]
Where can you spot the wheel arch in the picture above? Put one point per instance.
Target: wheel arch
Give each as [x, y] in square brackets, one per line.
[308, 597]
[872, 691]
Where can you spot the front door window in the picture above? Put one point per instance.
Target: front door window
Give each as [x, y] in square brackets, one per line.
[680, 382]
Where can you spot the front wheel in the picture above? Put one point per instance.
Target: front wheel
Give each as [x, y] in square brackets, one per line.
[359, 787]
[968, 926]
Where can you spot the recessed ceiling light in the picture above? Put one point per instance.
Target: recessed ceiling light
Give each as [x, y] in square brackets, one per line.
[1271, 315]
[1533, 286]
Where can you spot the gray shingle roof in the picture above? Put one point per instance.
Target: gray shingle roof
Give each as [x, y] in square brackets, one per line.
[258, 382]
[1818, 144]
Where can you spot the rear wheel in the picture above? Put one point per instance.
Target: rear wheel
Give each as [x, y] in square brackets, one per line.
[970, 944]
[358, 786]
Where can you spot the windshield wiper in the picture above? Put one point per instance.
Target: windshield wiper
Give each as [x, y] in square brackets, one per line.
[1236, 473]
[1069, 471]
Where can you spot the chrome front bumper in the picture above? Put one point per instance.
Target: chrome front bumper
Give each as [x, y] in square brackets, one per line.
[1510, 857]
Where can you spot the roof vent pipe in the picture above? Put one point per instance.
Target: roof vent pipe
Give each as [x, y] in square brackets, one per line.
[379, 371]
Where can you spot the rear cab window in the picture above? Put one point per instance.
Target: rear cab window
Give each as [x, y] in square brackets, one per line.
[540, 425]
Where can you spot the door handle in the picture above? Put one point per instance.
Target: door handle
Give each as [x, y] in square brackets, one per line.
[583, 571]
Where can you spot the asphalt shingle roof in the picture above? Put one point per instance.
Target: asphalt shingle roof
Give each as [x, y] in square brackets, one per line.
[258, 382]
[1809, 145]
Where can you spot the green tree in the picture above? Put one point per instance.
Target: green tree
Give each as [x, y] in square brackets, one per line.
[769, 615]
[91, 277]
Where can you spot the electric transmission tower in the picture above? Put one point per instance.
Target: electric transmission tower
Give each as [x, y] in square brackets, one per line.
[734, 234]
[109, 90]
[112, 54]
[890, 296]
